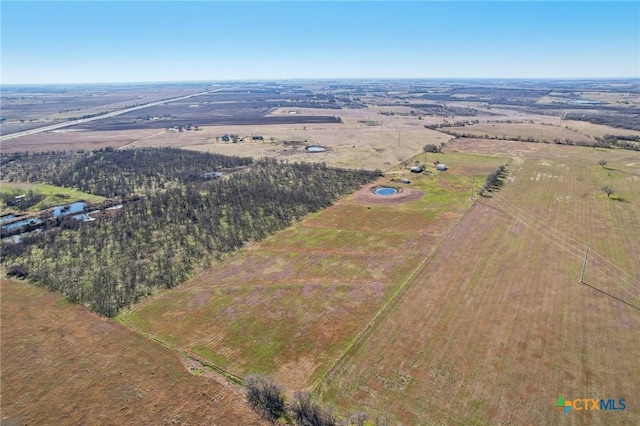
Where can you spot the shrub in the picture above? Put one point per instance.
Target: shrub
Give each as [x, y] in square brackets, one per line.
[432, 148]
[18, 271]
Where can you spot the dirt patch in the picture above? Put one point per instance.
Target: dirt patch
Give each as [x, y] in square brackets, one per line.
[201, 298]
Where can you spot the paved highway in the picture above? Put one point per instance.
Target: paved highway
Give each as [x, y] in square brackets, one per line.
[100, 117]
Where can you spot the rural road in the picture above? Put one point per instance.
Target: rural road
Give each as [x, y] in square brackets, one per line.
[100, 117]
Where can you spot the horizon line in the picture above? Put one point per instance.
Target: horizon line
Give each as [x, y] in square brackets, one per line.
[246, 80]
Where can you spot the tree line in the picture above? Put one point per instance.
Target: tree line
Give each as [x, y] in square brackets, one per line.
[169, 232]
[494, 180]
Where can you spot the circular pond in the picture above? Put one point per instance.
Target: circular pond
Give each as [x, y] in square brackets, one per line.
[316, 148]
[385, 190]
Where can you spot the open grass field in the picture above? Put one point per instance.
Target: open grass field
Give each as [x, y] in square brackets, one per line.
[54, 195]
[290, 305]
[495, 326]
[64, 365]
[537, 131]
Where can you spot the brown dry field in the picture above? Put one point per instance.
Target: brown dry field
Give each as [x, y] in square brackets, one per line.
[64, 365]
[352, 143]
[629, 100]
[537, 131]
[544, 129]
[69, 139]
[495, 326]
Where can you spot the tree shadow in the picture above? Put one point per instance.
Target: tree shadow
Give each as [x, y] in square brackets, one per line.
[619, 198]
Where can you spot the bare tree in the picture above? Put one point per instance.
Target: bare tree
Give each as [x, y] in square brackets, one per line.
[308, 412]
[265, 396]
[609, 190]
[602, 163]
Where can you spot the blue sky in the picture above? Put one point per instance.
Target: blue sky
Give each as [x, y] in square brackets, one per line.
[115, 41]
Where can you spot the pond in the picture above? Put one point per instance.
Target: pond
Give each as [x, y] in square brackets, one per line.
[385, 190]
[316, 148]
[69, 209]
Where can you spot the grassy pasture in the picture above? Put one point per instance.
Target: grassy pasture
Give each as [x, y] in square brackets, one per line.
[64, 365]
[289, 305]
[495, 326]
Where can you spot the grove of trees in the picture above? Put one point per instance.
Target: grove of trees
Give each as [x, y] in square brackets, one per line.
[176, 224]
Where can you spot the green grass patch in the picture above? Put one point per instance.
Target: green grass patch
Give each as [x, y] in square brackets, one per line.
[54, 195]
[209, 355]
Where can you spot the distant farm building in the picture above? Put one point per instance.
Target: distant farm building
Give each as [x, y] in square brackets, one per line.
[417, 169]
[225, 138]
[406, 181]
[441, 167]
[257, 137]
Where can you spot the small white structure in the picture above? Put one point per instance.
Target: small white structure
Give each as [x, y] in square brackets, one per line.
[441, 167]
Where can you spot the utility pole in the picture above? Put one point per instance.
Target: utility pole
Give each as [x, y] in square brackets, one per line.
[584, 265]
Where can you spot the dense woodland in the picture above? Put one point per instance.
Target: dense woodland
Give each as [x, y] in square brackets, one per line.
[179, 225]
[112, 173]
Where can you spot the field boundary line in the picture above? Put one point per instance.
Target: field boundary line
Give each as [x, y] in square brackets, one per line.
[140, 140]
[207, 364]
[372, 322]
